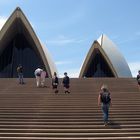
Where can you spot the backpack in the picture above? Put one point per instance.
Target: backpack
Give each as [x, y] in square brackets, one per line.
[105, 97]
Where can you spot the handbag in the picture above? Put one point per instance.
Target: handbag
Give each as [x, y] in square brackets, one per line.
[55, 84]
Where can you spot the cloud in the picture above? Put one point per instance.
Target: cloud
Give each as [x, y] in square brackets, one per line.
[2, 21]
[72, 73]
[63, 62]
[137, 33]
[62, 40]
[64, 66]
[4, 2]
[134, 67]
[76, 16]
[134, 37]
[128, 40]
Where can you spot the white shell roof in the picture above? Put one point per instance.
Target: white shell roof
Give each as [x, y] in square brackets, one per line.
[51, 62]
[114, 55]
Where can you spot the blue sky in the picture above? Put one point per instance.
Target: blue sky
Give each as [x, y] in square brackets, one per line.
[69, 27]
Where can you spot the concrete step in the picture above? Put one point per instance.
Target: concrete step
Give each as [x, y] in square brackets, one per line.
[27, 112]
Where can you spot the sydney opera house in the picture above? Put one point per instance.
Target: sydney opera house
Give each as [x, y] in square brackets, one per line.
[28, 112]
[20, 45]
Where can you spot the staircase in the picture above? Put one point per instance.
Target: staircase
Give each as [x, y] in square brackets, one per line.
[31, 113]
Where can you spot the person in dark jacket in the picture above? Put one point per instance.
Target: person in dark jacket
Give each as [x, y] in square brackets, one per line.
[20, 74]
[138, 78]
[66, 82]
[55, 83]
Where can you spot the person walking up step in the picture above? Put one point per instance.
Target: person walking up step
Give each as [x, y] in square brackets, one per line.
[55, 82]
[104, 99]
[66, 82]
[38, 76]
[20, 74]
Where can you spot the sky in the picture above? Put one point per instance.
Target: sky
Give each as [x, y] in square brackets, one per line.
[69, 27]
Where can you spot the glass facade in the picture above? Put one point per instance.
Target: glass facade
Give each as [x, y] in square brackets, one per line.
[19, 51]
[98, 67]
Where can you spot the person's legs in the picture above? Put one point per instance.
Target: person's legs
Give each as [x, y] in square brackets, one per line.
[38, 81]
[42, 81]
[56, 90]
[20, 76]
[66, 89]
[105, 110]
[139, 85]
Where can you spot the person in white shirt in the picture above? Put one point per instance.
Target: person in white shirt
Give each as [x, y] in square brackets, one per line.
[37, 73]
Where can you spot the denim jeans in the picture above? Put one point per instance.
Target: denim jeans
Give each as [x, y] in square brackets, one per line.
[105, 110]
[20, 76]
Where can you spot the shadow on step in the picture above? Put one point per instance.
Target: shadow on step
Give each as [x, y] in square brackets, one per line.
[114, 125]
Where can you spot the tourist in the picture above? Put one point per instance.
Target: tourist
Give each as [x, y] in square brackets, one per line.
[66, 82]
[20, 74]
[38, 76]
[138, 78]
[104, 99]
[55, 82]
[43, 77]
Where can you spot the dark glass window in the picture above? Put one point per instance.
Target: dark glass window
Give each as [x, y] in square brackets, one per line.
[19, 51]
[98, 67]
